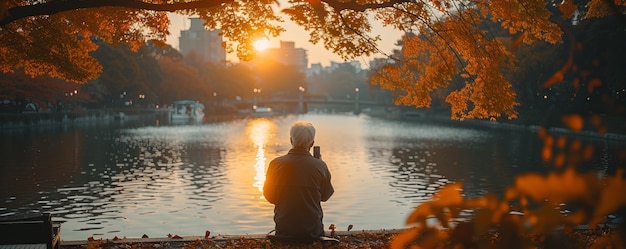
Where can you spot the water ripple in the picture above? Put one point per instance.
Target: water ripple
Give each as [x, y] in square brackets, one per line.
[187, 179]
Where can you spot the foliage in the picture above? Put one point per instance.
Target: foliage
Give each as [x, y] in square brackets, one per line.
[534, 204]
[277, 79]
[126, 72]
[159, 76]
[232, 81]
[58, 43]
[460, 41]
[181, 81]
[41, 90]
[546, 204]
[587, 63]
[54, 38]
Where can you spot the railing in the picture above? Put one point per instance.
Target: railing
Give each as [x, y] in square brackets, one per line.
[301, 102]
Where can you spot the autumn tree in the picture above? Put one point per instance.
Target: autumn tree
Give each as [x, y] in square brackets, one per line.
[182, 81]
[232, 81]
[278, 80]
[587, 61]
[223, 81]
[53, 37]
[126, 74]
[46, 92]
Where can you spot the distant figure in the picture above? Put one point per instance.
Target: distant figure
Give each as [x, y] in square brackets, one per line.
[296, 183]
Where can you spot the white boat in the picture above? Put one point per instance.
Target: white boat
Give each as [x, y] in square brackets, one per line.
[186, 110]
[262, 110]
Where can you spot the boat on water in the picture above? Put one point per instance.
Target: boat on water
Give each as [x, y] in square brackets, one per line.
[186, 110]
[262, 110]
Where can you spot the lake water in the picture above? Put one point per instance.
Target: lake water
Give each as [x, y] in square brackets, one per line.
[135, 177]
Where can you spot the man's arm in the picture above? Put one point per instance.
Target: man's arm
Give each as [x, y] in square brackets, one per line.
[269, 187]
[327, 187]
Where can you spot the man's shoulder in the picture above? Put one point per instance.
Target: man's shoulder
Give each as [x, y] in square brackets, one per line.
[280, 158]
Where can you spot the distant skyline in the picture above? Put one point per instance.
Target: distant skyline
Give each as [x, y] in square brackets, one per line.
[316, 53]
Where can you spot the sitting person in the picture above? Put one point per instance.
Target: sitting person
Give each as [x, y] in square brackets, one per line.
[296, 183]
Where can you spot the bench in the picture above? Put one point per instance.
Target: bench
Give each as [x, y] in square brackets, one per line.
[27, 231]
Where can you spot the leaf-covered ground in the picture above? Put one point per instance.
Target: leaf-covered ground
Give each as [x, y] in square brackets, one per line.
[355, 239]
[596, 238]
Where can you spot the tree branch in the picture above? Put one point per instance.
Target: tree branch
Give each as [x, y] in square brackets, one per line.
[353, 5]
[52, 7]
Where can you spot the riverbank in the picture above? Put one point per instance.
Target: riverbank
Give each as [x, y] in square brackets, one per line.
[601, 237]
[602, 127]
[607, 127]
[362, 239]
[48, 119]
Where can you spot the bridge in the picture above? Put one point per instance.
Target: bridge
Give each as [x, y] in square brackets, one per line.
[302, 104]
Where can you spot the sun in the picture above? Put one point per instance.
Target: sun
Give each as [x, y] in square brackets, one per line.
[261, 44]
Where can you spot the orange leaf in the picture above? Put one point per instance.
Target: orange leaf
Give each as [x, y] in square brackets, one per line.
[588, 152]
[561, 142]
[592, 84]
[405, 237]
[558, 187]
[546, 153]
[574, 122]
[559, 160]
[596, 120]
[548, 141]
[556, 78]
[575, 146]
[449, 195]
[542, 132]
[559, 75]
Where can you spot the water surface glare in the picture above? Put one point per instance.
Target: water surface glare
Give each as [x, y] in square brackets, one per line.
[114, 180]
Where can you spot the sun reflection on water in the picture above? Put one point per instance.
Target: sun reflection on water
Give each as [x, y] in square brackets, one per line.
[260, 131]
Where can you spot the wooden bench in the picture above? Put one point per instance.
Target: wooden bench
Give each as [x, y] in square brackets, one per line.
[29, 231]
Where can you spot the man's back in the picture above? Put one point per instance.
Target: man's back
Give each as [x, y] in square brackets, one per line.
[296, 183]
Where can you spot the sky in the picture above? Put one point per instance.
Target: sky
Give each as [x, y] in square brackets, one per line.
[316, 52]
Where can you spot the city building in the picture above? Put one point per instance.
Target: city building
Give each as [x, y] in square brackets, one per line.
[204, 43]
[316, 68]
[287, 54]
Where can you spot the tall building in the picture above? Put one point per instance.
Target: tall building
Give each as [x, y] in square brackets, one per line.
[204, 43]
[316, 68]
[287, 54]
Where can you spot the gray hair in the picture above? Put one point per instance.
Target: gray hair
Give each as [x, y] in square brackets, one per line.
[302, 134]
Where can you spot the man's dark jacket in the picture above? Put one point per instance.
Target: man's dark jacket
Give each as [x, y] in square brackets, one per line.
[296, 183]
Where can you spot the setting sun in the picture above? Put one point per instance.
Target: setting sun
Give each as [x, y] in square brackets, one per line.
[261, 44]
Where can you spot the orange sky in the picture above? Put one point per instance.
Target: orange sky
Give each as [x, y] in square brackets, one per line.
[316, 53]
